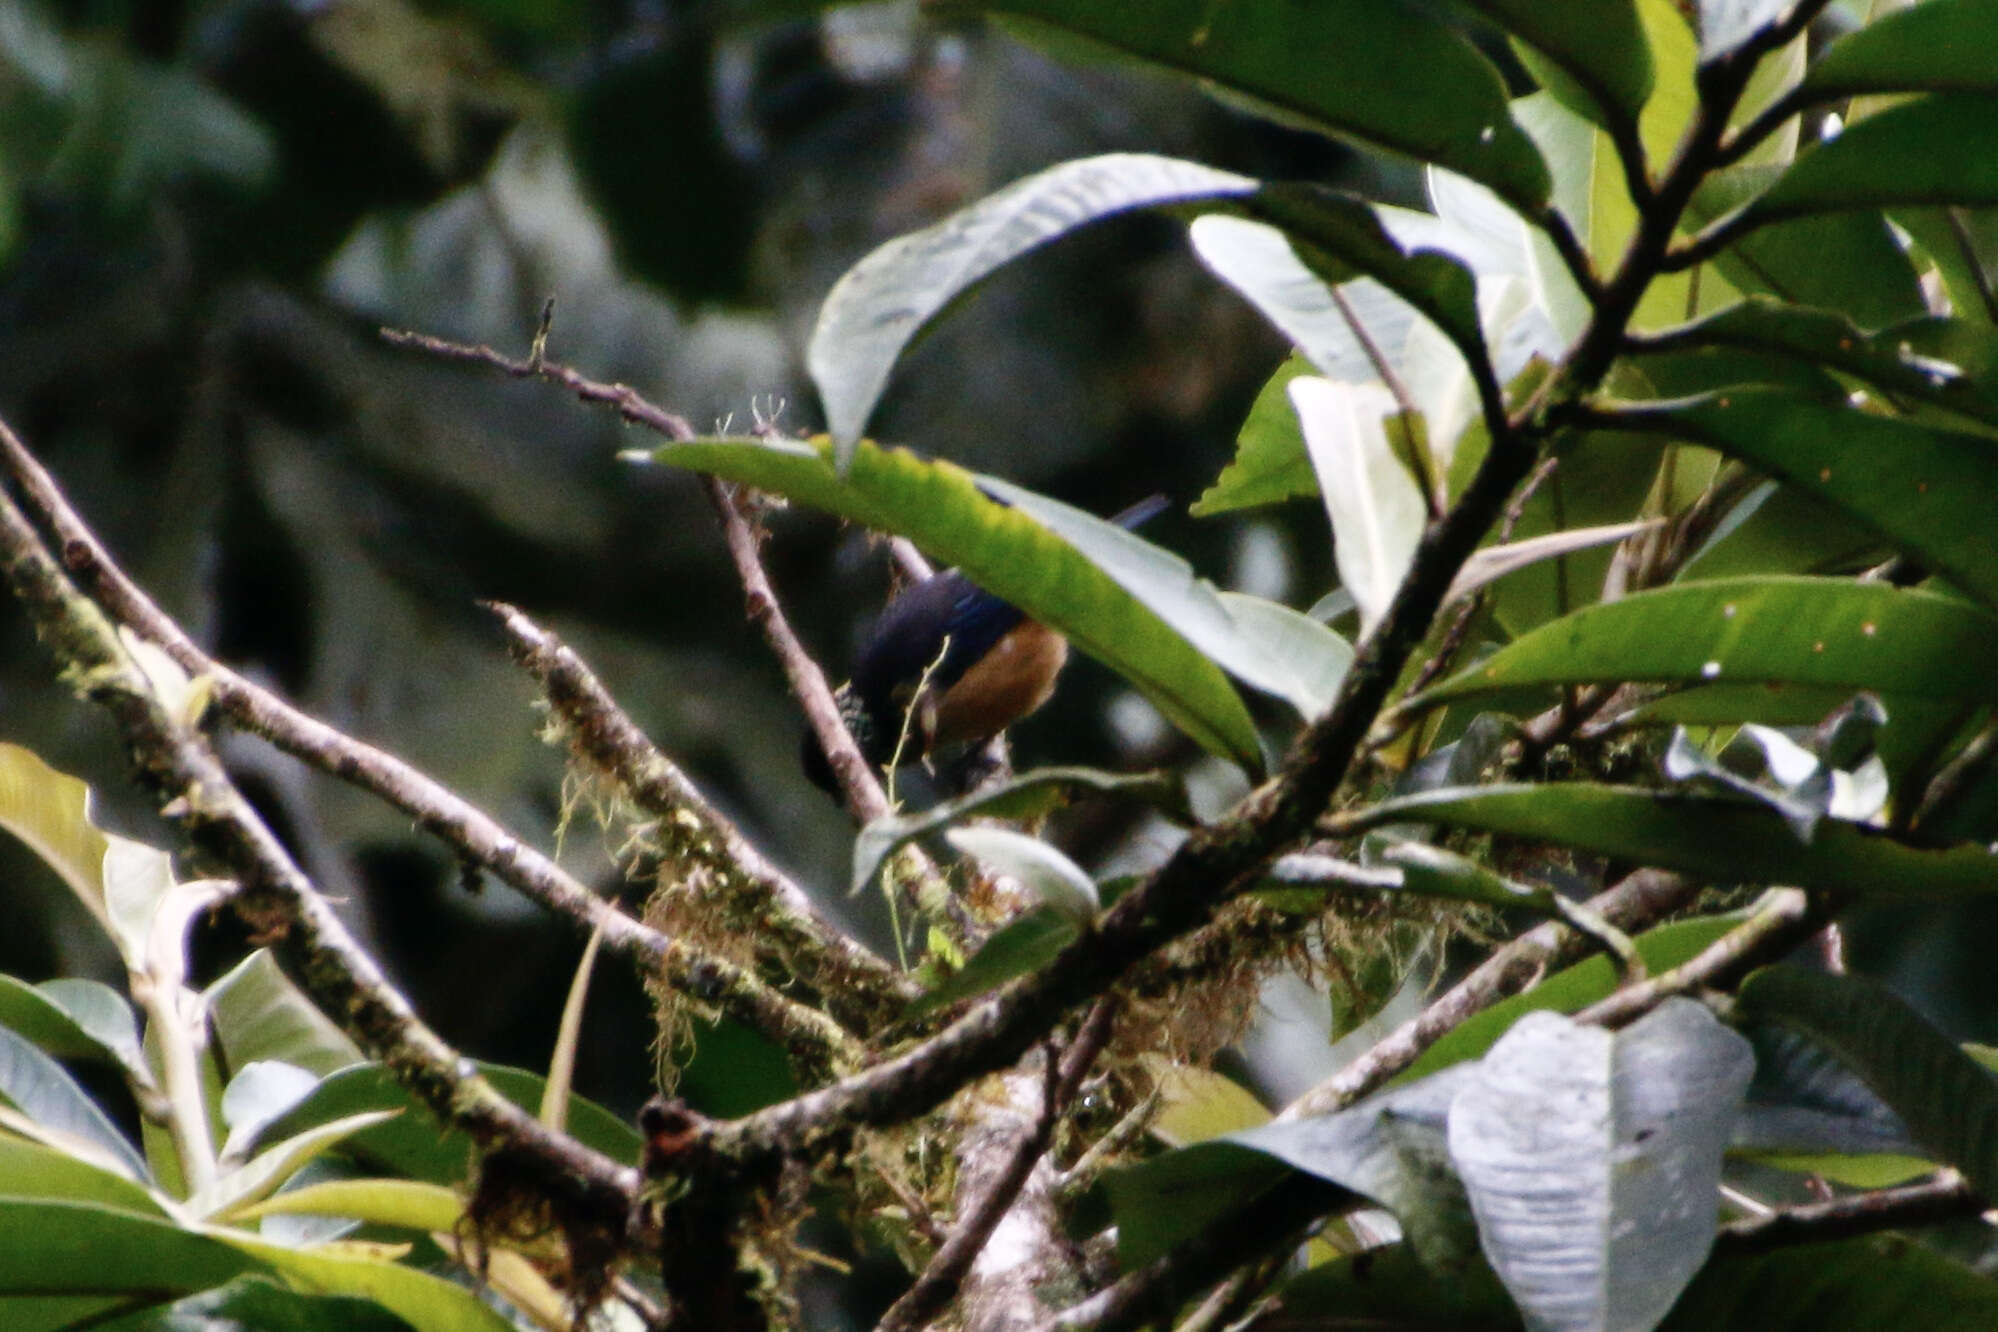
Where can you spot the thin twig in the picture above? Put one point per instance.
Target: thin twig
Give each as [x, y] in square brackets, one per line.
[1947, 1197]
[1783, 919]
[476, 836]
[1634, 902]
[939, 1283]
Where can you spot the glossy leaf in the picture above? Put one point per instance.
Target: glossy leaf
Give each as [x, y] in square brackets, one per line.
[1924, 489]
[941, 508]
[259, 1304]
[1405, 82]
[38, 1170]
[1028, 795]
[427, 1303]
[1728, 24]
[413, 1144]
[406, 1203]
[874, 311]
[263, 1175]
[1592, 1160]
[1936, 46]
[1050, 875]
[1821, 632]
[1889, 360]
[1304, 661]
[1376, 510]
[43, 1090]
[1941, 149]
[50, 811]
[1723, 840]
[53, 1248]
[1948, 1102]
[74, 1019]
[259, 1014]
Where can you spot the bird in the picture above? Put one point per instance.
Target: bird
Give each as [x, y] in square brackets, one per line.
[957, 662]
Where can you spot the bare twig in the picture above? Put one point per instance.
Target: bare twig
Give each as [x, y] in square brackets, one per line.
[1946, 1197]
[1783, 919]
[479, 838]
[1632, 903]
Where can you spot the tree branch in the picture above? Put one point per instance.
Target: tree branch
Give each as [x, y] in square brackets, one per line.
[478, 837]
[1947, 1197]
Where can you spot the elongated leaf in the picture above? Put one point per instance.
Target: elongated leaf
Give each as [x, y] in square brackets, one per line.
[1424, 272]
[1936, 46]
[1495, 562]
[1824, 632]
[413, 1144]
[941, 509]
[1303, 661]
[257, 1179]
[1593, 1160]
[1803, 1100]
[37, 1170]
[1723, 840]
[1404, 82]
[1599, 46]
[81, 1020]
[1922, 488]
[52, 1247]
[43, 1091]
[1376, 510]
[887, 298]
[1845, 261]
[1948, 1102]
[408, 1203]
[1889, 360]
[1058, 881]
[1860, 1285]
[259, 1304]
[1941, 149]
[1249, 647]
[427, 1303]
[1028, 795]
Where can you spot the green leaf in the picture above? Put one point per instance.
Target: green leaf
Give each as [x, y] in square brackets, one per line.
[1270, 463]
[259, 1014]
[1888, 360]
[1804, 1101]
[1936, 46]
[1592, 1159]
[258, 1178]
[1028, 795]
[1027, 944]
[1844, 261]
[43, 1091]
[414, 1144]
[1390, 1287]
[1570, 990]
[1059, 882]
[1825, 632]
[38, 1170]
[941, 509]
[1948, 1102]
[1920, 487]
[1305, 661]
[1860, 1285]
[874, 311]
[50, 811]
[258, 1304]
[1723, 840]
[80, 1020]
[1405, 82]
[404, 1203]
[1940, 149]
[427, 1303]
[1198, 1104]
[61, 1262]
[1598, 44]
[1160, 1202]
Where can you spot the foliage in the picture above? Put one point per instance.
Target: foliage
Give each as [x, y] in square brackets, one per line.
[1684, 274]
